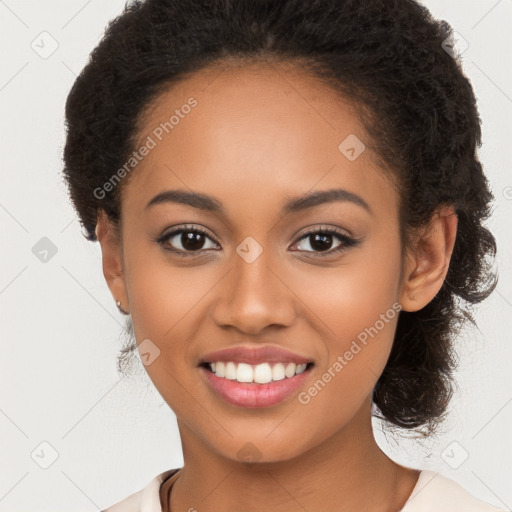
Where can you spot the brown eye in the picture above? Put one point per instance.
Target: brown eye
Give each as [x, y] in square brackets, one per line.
[187, 240]
[192, 241]
[321, 241]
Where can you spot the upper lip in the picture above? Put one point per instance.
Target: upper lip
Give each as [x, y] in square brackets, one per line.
[254, 356]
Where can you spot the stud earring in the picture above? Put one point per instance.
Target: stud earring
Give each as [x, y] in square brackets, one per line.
[118, 304]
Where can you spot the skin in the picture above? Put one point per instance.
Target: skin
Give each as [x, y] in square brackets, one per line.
[260, 135]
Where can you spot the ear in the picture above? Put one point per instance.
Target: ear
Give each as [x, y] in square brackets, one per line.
[111, 250]
[426, 265]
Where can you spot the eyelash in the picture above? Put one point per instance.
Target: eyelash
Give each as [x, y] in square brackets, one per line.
[347, 241]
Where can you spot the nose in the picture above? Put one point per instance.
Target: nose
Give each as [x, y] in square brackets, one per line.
[254, 296]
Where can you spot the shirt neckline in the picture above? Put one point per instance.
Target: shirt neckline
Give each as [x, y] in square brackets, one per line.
[151, 497]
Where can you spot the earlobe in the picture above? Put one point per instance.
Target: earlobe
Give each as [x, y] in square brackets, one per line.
[112, 262]
[427, 265]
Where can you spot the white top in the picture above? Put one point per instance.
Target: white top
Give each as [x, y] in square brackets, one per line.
[433, 492]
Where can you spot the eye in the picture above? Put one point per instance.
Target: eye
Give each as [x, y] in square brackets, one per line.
[320, 240]
[187, 240]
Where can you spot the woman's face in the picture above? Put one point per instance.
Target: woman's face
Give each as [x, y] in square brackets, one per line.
[255, 140]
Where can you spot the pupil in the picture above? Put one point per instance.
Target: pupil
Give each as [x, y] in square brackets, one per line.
[192, 241]
[321, 242]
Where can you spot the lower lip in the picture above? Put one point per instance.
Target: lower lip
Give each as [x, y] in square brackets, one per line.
[254, 395]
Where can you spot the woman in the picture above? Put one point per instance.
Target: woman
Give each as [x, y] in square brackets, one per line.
[290, 210]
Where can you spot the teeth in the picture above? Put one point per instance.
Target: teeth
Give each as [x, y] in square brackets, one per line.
[218, 369]
[278, 372]
[261, 373]
[289, 371]
[230, 371]
[244, 373]
[300, 368]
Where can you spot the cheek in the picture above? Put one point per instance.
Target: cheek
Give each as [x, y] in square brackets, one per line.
[357, 349]
[355, 310]
[167, 302]
[160, 291]
[353, 295]
[167, 306]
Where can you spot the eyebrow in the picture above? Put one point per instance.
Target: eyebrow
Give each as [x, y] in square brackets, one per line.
[293, 205]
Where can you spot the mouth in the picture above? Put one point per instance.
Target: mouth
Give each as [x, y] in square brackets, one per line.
[262, 373]
[254, 377]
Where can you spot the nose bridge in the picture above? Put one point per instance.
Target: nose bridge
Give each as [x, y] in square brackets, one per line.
[255, 296]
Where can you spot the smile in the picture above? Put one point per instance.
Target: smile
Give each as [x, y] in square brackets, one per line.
[259, 374]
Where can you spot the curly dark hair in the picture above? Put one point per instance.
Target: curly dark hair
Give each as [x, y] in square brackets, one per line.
[388, 56]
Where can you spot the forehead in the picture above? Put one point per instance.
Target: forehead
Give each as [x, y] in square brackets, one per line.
[261, 128]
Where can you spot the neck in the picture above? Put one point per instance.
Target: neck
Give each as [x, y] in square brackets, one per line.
[346, 472]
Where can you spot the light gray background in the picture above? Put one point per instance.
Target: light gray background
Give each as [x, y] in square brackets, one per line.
[60, 328]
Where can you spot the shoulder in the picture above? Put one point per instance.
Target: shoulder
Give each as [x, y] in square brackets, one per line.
[145, 500]
[435, 492]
